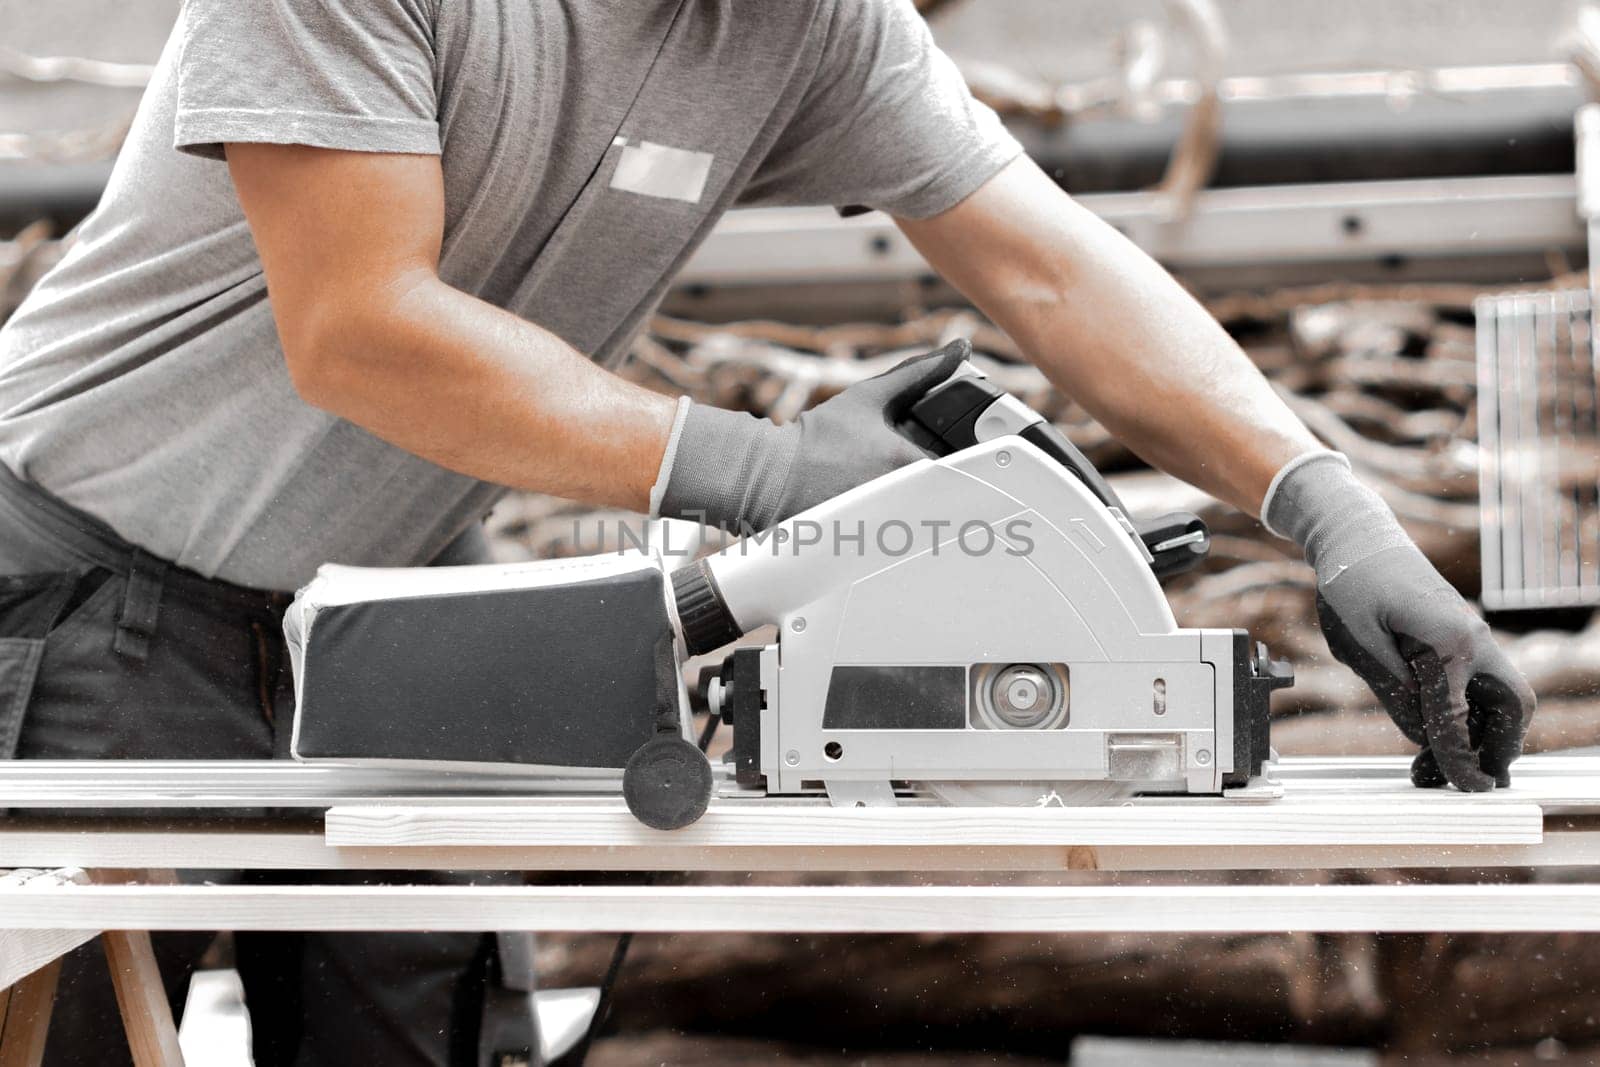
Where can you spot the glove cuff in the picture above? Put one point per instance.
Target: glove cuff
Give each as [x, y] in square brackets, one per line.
[664, 472]
[1274, 489]
[728, 469]
[1319, 503]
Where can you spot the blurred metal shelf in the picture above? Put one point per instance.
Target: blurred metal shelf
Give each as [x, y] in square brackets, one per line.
[1539, 427]
[1338, 126]
[1458, 226]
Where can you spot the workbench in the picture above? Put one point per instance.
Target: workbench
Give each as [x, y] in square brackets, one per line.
[1333, 814]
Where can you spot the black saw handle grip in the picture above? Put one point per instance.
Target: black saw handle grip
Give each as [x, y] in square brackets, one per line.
[945, 420]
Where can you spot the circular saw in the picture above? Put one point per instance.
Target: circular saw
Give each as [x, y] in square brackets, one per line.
[987, 626]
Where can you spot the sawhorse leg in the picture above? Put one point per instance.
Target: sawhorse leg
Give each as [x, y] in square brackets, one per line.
[25, 1016]
[146, 1015]
[25, 1007]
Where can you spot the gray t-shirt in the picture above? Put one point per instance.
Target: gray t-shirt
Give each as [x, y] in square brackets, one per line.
[587, 149]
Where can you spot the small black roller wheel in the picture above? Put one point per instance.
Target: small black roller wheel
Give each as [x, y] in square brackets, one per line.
[667, 783]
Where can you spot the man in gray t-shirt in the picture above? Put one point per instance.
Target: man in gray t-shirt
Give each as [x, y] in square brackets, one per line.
[362, 265]
[581, 155]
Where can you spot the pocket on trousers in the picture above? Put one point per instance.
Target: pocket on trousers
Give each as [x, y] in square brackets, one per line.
[19, 668]
[32, 606]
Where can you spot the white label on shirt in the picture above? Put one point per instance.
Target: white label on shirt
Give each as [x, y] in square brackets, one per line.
[659, 170]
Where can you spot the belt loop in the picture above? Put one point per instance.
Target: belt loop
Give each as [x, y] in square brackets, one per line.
[140, 607]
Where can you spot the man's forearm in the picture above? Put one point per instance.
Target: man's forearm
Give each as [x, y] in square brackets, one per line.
[478, 390]
[350, 245]
[1117, 334]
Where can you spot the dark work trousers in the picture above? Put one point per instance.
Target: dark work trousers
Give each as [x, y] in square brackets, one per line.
[109, 653]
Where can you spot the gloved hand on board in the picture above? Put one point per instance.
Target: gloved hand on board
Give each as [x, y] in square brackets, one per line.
[1393, 619]
[740, 472]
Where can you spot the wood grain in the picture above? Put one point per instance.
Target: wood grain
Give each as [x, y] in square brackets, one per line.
[26, 1017]
[24, 951]
[816, 909]
[142, 999]
[1566, 843]
[1424, 821]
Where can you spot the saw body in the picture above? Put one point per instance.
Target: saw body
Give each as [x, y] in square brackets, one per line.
[1025, 639]
[985, 625]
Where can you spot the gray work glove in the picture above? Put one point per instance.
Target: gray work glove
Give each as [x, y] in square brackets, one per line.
[739, 472]
[1393, 619]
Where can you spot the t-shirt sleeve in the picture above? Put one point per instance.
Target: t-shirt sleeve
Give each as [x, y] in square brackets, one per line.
[351, 74]
[887, 122]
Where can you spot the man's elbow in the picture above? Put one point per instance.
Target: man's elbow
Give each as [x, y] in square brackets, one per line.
[307, 362]
[329, 348]
[312, 360]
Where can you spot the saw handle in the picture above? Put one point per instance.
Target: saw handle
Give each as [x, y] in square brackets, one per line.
[967, 409]
[1176, 541]
[947, 418]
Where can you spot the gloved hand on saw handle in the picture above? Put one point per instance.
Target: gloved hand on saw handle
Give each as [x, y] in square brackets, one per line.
[1390, 616]
[740, 472]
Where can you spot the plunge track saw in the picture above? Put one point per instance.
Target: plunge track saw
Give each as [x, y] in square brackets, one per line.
[986, 625]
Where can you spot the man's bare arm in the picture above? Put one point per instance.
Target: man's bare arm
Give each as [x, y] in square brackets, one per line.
[350, 242]
[1115, 332]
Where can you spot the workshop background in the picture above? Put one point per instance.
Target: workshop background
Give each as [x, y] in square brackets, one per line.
[1346, 186]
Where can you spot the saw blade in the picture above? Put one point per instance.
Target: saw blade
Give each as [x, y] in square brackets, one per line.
[1034, 794]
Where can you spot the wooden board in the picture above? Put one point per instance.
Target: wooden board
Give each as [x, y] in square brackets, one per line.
[813, 909]
[1417, 822]
[1566, 843]
[24, 951]
[1555, 782]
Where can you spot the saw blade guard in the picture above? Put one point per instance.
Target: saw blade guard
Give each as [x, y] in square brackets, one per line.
[968, 409]
[980, 618]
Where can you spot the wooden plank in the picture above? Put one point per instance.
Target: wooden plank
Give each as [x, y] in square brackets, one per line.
[264, 848]
[27, 1017]
[24, 951]
[1425, 822]
[142, 999]
[808, 909]
[52, 842]
[1578, 791]
[1555, 783]
[1560, 848]
[1527, 767]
